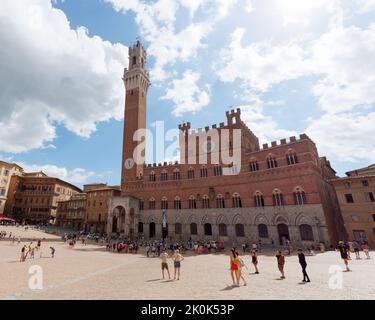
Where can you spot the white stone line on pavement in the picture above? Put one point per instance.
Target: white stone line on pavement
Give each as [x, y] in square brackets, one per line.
[23, 294]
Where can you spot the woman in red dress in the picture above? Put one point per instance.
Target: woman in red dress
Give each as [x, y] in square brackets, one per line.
[234, 269]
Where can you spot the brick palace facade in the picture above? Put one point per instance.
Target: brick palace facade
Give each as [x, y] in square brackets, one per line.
[282, 190]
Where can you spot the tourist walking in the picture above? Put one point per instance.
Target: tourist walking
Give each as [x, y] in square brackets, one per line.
[164, 263]
[177, 259]
[234, 269]
[366, 248]
[23, 254]
[280, 263]
[148, 250]
[303, 263]
[32, 252]
[344, 254]
[356, 248]
[254, 260]
[52, 252]
[346, 245]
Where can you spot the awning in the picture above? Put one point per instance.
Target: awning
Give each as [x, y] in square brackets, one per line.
[4, 218]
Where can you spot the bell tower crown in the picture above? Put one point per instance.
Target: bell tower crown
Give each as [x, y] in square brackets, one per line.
[136, 75]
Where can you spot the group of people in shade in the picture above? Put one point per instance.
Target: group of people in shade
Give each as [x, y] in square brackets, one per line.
[29, 251]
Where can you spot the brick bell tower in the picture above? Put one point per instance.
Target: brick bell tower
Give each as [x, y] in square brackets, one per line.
[136, 80]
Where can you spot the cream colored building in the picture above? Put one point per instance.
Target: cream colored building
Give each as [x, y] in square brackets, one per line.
[6, 171]
[356, 196]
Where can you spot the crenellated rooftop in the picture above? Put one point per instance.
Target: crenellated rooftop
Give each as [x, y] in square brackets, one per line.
[283, 142]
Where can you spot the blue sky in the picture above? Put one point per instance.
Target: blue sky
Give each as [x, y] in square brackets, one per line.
[293, 67]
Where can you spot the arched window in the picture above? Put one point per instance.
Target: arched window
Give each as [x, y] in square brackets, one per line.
[193, 229]
[278, 199]
[205, 202]
[192, 202]
[191, 173]
[207, 229]
[141, 204]
[176, 174]
[220, 201]
[291, 158]
[271, 162]
[258, 199]
[140, 227]
[177, 203]
[254, 165]
[151, 204]
[218, 171]
[263, 231]
[164, 203]
[178, 228]
[223, 232]
[152, 177]
[134, 61]
[240, 230]
[236, 201]
[299, 196]
[164, 175]
[306, 232]
[204, 172]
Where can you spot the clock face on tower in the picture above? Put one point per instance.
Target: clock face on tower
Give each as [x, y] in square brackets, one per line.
[129, 163]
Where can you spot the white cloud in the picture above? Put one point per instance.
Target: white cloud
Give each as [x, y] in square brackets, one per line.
[263, 126]
[192, 5]
[167, 44]
[77, 176]
[186, 95]
[345, 59]
[260, 65]
[345, 137]
[249, 7]
[365, 6]
[52, 74]
[303, 13]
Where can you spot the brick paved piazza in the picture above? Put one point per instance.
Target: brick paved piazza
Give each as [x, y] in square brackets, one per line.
[92, 273]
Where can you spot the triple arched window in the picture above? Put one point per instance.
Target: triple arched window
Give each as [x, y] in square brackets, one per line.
[299, 196]
[176, 175]
[278, 199]
[291, 158]
[236, 201]
[192, 202]
[220, 201]
[151, 204]
[254, 165]
[205, 202]
[152, 177]
[164, 203]
[271, 162]
[258, 199]
[191, 173]
[177, 203]
[164, 175]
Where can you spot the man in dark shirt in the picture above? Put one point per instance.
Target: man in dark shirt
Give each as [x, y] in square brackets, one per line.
[303, 263]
